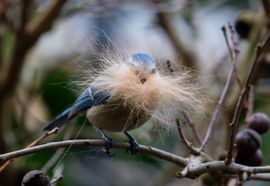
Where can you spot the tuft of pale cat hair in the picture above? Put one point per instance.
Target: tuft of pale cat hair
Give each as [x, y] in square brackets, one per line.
[163, 96]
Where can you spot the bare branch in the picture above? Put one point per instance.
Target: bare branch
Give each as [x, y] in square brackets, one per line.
[250, 102]
[224, 30]
[10, 76]
[195, 132]
[193, 128]
[222, 97]
[242, 97]
[191, 171]
[96, 143]
[187, 143]
[23, 42]
[233, 168]
[234, 53]
[35, 29]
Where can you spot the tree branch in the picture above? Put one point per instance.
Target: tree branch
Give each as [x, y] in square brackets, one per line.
[23, 42]
[10, 76]
[192, 170]
[214, 166]
[187, 143]
[35, 29]
[96, 143]
[193, 128]
[224, 92]
[242, 97]
[234, 52]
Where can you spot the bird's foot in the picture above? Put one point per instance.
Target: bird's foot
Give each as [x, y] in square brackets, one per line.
[109, 143]
[108, 147]
[134, 146]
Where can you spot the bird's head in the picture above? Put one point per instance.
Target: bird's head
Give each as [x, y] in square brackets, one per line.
[144, 65]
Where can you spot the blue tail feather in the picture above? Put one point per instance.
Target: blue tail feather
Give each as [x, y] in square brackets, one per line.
[86, 100]
[59, 121]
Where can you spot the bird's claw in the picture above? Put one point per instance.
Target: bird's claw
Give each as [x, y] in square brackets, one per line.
[108, 142]
[108, 147]
[134, 145]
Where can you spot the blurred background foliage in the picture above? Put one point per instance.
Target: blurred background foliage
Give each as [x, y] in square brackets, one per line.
[41, 74]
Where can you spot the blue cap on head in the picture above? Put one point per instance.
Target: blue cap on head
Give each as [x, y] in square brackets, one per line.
[143, 58]
[143, 62]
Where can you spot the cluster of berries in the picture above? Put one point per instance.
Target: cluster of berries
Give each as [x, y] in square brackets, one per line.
[248, 141]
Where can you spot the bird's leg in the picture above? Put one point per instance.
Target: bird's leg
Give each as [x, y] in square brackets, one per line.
[133, 144]
[108, 142]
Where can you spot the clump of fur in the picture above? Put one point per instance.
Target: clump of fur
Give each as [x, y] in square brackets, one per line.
[162, 96]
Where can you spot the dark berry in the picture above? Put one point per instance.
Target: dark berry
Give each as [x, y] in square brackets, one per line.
[244, 23]
[35, 178]
[222, 156]
[247, 141]
[254, 159]
[208, 179]
[259, 122]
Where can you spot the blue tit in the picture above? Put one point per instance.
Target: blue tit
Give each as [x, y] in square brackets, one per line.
[104, 108]
[128, 92]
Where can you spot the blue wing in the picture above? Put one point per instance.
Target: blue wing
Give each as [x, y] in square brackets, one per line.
[88, 98]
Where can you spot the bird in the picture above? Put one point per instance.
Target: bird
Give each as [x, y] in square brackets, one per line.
[126, 93]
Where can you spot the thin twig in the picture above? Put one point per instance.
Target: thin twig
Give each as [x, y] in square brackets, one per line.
[97, 143]
[242, 97]
[235, 51]
[224, 31]
[186, 142]
[195, 132]
[35, 142]
[193, 128]
[250, 102]
[221, 99]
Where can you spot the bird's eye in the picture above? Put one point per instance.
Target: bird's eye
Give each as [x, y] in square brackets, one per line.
[143, 80]
[154, 71]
